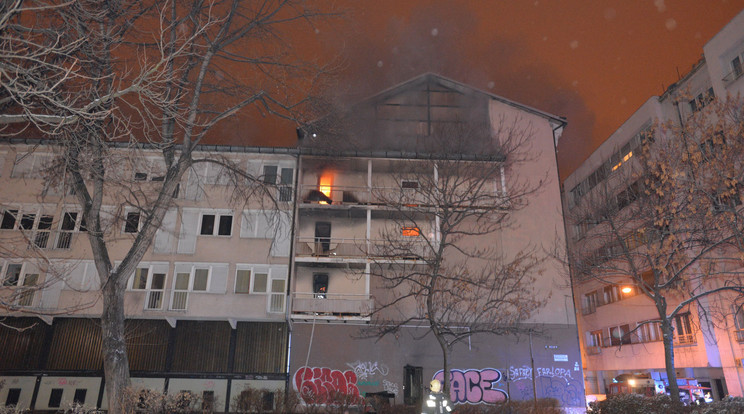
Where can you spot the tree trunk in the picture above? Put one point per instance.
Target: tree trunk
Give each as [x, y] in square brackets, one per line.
[445, 367]
[115, 360]
[667, 331]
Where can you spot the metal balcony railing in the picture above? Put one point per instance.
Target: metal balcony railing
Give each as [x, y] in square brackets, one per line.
[51, 239]
[360, 248]
[355, 195]
[154, 300]
[593, 350]
[740, 335]
[732, 76]
[341, 304]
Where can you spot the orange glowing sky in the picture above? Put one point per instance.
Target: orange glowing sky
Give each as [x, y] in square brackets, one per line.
[594, 62]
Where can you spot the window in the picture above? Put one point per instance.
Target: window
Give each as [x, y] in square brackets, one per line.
[648, 279]
[736, 68]
[412, 384]
[208, 401]
[140, 279]
[9, 219]
[620, 335]
[30, 165]
[26, 296]
[68, 226]
[285, 184]
[189, 279]
[140, 176]
[683, 333]
[14, 395]
[702, 100]
[739, 323]
[132, 223]
[320, 285]
[12, 274]
[260, 283]
[152, 279]
[55, 398]
[243, 281]
[276, 299]
[649, 332]
[270, 174]
[216, 225]
[79, 397]
[611, 294]
[595, 338]
[413, 184]
[411, 231]
[590, 302]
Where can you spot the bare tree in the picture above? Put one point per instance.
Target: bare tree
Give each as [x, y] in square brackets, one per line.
[668, 221]
[102, 78]
[436, 261]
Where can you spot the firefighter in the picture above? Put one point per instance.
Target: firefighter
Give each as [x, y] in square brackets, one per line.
[436, 402]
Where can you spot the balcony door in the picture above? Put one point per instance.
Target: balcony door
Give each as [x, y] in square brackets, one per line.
[322, 237]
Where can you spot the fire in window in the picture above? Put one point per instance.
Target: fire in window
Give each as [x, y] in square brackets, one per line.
[410, 231]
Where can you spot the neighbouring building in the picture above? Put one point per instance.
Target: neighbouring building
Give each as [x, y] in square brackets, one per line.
[233, 295]
[607, 314]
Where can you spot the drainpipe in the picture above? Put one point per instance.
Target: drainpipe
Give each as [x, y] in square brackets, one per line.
[290, 273]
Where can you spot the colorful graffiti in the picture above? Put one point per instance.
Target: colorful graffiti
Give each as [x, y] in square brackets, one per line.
[474, 386]
[525, 372]
[364, 369]
[551, 382]
[322, 385]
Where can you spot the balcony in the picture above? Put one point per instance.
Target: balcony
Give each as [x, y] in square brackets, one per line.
[359, 196]
[684, 339]
[313, 248]
[345, 305]
[740, 336]
[732, 76]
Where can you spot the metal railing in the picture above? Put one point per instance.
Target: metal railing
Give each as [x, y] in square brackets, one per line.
[51, 239]
[348, 304]
[732, 76]
[593, 350]
[684, 339]
[360, 248]
[179, 301]
[740, 335]
[355, 195]
[154, 299]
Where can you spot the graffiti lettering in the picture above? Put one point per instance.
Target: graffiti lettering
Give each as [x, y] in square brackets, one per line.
[474, 386]
[525, 372]
[368, 383]
[365, 369]
[567, 393]
[390, 387]
[554, 372]
[321, 385]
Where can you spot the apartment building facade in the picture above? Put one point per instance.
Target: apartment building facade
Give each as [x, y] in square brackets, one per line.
[615, 340]
[352, 199]
[278, 296]
[205, 308]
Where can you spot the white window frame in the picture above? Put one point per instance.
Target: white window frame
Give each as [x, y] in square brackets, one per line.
[280, 166]
[218, 214]
[263, 271]
[190, 289]
[19, 284]
[147, 166]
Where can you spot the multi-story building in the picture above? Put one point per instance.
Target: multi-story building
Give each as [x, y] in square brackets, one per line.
[345, 214]
[233, 295]
[205, 307]
[710, 353]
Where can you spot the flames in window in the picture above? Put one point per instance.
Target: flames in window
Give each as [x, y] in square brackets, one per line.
[324, 185]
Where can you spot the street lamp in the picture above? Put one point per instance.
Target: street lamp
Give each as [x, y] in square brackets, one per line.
[626, 289]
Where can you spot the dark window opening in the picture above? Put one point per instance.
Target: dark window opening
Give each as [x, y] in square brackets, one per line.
[55, 398]
[68, 221]
[207, 225]
[225, 228]
[322, 237]
[270, 174]
[140, 176]
[14, 395]
[320, 285]
[208, 401]
[409, 184]
[79, 397]
[412, 384]
[9, 219]
[27, 221]
[45, 222]
[132, 223]
[285, 189]
[268, 400]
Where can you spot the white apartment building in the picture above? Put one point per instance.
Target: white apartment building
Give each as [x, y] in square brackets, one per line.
[606, 314]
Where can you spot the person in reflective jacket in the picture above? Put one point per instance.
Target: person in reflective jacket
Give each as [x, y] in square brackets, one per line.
[436, 402]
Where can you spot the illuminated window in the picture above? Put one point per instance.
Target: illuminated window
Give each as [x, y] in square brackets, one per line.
[411, 231]
[324, 186]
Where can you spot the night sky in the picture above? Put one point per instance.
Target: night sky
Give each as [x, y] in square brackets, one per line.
[594, 62]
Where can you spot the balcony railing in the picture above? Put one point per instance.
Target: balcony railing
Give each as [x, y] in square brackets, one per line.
[593, 350]
[732, 76]
[360, 248]
[154, 300]
[740, 336]
[51, 239]
[355, 195]
[339, 304]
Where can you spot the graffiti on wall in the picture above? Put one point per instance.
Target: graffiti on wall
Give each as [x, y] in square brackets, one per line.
[391, 387]
[525, 372]
[551, 382]
[474, 386]
[322, 385]
[365, 369]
